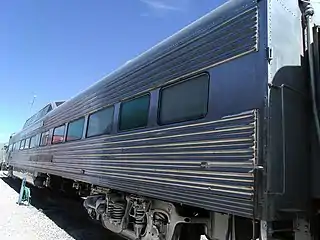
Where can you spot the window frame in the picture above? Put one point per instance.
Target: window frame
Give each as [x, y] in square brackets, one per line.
[64, 133]
[48, 140]
[34, 136]
[24, 142]
[88, 121]
[38, 139]
[35, 141]
[181, 81]
[129, 100]
[67, 130]
[18, 145]
[15, 146]
[27, 147]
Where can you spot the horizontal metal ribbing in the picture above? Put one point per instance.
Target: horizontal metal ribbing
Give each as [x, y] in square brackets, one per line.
[206, 165]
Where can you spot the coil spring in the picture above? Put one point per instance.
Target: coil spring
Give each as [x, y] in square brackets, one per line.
[116, 210]
[139, 216]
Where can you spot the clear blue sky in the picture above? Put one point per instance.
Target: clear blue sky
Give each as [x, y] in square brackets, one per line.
[55, 48]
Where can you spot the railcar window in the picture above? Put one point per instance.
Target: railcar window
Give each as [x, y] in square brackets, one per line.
[58, 134]
[16, 146]
[100, 122]
[38, 139]
[75, 130]
[134, 113]
[184, 101]
[59, 103]
[44, 138]
[33, 142]
[22, 144]
[27, 144]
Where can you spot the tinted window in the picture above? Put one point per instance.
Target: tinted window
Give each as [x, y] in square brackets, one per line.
[27, 143]
[22, 144]
[58, 134]
[134, 113]
[59, 103]
[75, 129]
[184, 101]
[38, 138]
[33, 141]
[44, 138]
[100, 122]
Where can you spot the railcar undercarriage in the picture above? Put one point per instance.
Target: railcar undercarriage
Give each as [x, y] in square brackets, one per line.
[142, 218]
[137, 217]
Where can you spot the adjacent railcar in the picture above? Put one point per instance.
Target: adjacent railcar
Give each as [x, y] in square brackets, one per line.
[205, 133]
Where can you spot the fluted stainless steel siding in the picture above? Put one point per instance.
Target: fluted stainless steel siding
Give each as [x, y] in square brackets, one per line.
[224, 34]
[204, 164]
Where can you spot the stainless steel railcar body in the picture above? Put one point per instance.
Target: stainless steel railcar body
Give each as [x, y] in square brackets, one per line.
[244, 157]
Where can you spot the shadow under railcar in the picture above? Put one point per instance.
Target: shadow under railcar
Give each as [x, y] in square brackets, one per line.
[66, 212]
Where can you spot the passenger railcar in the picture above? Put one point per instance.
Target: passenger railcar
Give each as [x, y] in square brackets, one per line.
[206, 133]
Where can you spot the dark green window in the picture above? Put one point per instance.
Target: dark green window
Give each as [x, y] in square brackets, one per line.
[134, 113]
[100, 122]
[58, 134]
[75, 130]
[184, 101]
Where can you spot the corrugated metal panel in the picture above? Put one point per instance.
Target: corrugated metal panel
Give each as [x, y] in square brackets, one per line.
[224, 34]
[203, 164]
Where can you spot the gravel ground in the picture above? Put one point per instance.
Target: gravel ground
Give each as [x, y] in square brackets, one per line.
[25, 222]
[48, 217]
